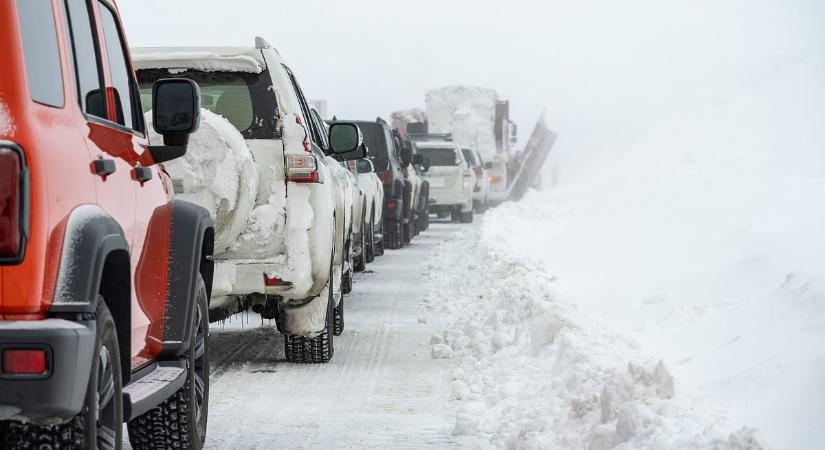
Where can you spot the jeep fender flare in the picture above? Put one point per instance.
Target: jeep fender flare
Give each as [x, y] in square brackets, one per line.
[191, 239]
[91, 236]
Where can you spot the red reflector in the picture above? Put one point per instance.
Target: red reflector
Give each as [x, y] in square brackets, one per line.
[9, 204]
[384, 177]
[391, 204]
[274, 281]
[24, 362]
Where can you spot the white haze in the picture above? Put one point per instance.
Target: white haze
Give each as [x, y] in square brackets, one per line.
[608, 71]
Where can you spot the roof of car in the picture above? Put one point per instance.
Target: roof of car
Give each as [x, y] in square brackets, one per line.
[230, 59]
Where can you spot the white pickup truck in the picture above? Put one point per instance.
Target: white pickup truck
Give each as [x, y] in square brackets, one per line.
[261, 165]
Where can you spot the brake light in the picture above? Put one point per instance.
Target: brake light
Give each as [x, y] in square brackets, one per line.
[392, 204]
[495, 179]
[384, 177]
[24, 362]
[11, 173]
[302, 169]
[271, 281]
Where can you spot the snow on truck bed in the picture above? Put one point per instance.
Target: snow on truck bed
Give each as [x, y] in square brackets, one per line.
[675, 301]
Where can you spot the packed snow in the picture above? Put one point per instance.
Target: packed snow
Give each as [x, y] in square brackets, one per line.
[195, 60]
[218, 173]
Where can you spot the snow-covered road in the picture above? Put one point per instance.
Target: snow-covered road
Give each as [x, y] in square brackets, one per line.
[382, 388]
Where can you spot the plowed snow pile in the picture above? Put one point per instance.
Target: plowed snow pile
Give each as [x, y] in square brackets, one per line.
[675, 302]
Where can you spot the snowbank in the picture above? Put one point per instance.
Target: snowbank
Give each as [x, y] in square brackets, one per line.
[218, 173]
[703, 247]
[533, 372]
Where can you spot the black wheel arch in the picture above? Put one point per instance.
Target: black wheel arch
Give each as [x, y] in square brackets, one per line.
[94, 263]
[191, 242]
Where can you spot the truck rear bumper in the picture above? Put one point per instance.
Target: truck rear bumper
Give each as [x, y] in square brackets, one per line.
[236, 277]
[58, 394]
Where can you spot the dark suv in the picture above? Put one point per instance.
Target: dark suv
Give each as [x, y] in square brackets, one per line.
[384, 146]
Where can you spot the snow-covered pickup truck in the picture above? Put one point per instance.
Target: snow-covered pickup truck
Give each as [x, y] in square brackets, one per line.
[259, 164]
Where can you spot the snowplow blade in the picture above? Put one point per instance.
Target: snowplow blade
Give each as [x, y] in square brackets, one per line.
[534, 156]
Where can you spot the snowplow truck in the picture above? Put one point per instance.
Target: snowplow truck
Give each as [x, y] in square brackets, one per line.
[477, 118]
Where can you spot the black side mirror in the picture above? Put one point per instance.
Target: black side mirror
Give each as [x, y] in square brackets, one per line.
[345, 138]
[488, 165]
[177, 109]
[364, 166]
[381, 165]
[175, 115]
[417, 160]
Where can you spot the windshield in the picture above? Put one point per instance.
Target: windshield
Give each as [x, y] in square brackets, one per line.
[441, 156]
[244, 99]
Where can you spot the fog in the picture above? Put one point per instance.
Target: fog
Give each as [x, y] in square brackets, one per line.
[607, 71]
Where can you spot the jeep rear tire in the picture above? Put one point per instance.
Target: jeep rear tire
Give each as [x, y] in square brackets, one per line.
[180, 421]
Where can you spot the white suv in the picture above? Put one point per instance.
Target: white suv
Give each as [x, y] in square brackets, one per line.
[451, 180]
[286, 258]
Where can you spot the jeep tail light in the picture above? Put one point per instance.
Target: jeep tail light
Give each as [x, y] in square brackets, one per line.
[302, 169]
[384, 177]
[479, 171]
[24, 362]
[392, 204]
[12, 198]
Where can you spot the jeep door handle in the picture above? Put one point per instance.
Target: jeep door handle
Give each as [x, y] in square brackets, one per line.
[103, 167]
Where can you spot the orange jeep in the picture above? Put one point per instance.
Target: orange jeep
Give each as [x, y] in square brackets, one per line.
[104, 277]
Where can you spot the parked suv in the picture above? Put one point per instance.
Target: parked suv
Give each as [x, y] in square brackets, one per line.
[104, 277]
[385, 149]
[451, 180]
[288, 261]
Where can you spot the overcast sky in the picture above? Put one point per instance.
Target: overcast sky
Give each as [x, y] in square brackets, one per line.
[607, 70]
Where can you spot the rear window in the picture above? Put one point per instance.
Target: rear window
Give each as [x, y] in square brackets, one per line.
[441, 156]
[244, 99]
[470, 157]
